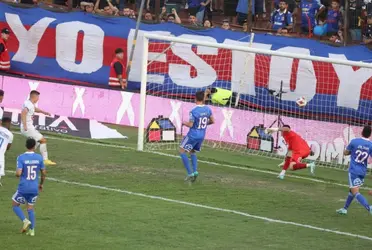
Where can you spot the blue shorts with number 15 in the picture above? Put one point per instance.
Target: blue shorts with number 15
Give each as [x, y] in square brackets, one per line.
[188, 144]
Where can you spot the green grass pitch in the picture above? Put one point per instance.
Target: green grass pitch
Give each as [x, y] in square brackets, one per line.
[237, 203]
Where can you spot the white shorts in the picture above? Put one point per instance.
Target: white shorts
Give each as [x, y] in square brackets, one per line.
[2, 168]
[32, 133]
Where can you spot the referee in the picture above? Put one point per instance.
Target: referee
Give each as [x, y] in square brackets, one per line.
[221, 96]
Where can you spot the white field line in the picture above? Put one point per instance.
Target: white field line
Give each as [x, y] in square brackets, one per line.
[126, 148]
[230, 211]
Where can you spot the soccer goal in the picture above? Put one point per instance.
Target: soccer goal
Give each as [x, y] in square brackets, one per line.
[258, 88]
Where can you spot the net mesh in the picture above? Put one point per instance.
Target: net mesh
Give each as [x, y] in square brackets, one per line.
[264, 93]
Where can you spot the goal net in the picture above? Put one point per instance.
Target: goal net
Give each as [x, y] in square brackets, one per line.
[258, 88]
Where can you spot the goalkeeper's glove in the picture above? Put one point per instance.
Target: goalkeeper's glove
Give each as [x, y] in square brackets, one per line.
[271, 130]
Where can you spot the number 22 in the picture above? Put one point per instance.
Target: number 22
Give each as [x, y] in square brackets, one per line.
[361, 156]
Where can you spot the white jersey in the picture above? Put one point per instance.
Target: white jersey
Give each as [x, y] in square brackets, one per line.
[1, 113]
[6, 137]
[30, 113]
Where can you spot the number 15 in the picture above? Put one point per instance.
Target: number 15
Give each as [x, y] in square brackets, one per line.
[31, 173]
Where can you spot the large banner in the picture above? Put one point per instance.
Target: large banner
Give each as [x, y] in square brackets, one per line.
[326, 139]
[79, 47]
[79, 127]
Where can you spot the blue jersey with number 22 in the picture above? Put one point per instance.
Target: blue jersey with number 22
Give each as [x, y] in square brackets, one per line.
[200, 116]
[31, 164]
[360, 149]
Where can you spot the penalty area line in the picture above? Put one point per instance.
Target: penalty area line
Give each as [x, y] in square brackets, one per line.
[230, 211]
[126, 148]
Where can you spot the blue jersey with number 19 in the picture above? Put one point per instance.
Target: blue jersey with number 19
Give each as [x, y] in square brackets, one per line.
[31, 164]
[360, 149]
[200, 116]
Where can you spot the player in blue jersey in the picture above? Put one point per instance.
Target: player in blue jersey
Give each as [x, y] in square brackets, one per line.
[200, 118]
[359, 150]
[29, 165]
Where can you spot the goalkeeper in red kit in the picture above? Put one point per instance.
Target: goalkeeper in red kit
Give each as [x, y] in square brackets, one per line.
[298, 149]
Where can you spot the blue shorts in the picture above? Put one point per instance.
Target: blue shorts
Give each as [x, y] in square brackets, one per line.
[355, 180]
[189, 144]
[21, 198]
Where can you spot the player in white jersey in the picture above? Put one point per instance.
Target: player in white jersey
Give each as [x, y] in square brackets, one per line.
[27, 126]
[1, 100]
[6, 139]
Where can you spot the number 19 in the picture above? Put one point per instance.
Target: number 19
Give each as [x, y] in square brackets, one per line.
[203, 122]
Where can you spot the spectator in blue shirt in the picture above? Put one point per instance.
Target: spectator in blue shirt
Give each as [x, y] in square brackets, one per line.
[242, 11]
[310, 10]
[197, 8]
[333, 22]
[334, 18]
[281, 19]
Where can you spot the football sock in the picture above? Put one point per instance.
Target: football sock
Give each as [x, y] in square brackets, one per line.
[18, 211]
[360, 198]
[37, 145]
[349, 199]
[283, 172]
[194, 162]
[31, 216]
[287, 161]
[299, 166]
[43, 151]
[186, 162]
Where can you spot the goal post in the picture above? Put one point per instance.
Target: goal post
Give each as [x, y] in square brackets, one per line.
[141, 123]
[328, 122]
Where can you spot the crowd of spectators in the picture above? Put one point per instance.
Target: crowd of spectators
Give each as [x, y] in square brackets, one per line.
[324, 19]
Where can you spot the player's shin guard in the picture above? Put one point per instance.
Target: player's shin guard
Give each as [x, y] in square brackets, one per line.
[287, 162]
[349, 199]
[299, 166]
[18, 211]
[43, 151]
[194, 162]
[186, 163]
[363, 201]
[31, 217]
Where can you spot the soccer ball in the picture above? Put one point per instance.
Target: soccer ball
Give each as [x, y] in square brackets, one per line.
[301, 102]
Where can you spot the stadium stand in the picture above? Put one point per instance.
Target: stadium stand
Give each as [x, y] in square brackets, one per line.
[350, 28]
